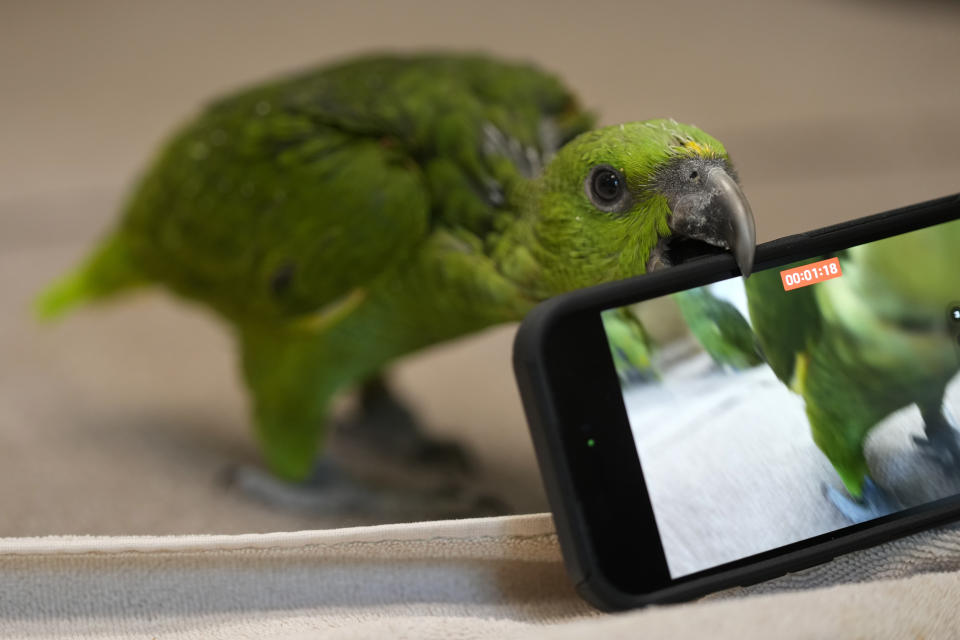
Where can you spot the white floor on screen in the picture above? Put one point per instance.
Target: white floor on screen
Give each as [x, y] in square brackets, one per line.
[732, 469]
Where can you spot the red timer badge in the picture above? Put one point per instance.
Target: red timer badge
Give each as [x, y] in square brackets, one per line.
[810, 274]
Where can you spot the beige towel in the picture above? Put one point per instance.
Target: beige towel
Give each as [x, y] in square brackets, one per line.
[483, 578]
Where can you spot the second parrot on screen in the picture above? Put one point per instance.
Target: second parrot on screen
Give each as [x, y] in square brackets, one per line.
[861, 346]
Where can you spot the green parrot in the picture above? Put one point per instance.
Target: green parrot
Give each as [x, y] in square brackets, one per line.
[861, 346]
[719, 328]
[346, 216]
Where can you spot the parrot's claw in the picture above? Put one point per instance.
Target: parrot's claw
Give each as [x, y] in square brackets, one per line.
[384, 433]
[947, 457]
[380, 467]
[331, 491]
[874, 503]
[633, 377]
[940, 442]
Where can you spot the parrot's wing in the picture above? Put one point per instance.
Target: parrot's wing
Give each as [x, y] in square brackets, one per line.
[448, 105]
[784, 323]
[305, 217]
[630, 346]
[719, 328]
[907, 297]
[289, 197]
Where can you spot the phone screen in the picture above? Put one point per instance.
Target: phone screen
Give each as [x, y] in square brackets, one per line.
[796, 402]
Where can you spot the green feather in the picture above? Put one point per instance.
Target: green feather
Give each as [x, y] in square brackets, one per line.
[719, 328]
[785, 323]
[630, 345]
[108, 271]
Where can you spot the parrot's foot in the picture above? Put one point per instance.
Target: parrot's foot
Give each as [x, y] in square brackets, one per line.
[874, 503]
[383, 433]
[331, 491]
[633, 376]
[941, 441]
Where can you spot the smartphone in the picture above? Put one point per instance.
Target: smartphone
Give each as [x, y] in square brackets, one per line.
[697, 430]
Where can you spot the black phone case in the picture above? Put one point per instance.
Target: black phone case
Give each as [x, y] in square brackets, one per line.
[545, 425]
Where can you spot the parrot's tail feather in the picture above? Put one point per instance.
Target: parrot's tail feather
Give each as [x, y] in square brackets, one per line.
[107, 272]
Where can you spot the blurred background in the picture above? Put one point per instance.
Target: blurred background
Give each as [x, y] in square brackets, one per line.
[124, 419]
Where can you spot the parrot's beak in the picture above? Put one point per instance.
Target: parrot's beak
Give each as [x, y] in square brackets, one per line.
[718, 215]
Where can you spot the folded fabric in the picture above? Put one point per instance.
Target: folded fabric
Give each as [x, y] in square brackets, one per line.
[481, 578]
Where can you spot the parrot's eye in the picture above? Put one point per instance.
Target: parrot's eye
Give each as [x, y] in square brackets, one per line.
[606, 186]
[607, 189]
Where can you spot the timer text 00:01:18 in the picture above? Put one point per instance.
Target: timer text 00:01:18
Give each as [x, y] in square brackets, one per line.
[810, 274]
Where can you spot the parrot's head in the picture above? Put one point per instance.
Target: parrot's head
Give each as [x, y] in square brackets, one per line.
[624, 200]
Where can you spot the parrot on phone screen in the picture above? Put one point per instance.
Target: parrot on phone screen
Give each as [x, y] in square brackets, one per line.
[863, 345]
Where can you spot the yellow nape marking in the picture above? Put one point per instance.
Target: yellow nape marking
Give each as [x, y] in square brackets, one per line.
[801, 364]
[331, 314]
[698, 148]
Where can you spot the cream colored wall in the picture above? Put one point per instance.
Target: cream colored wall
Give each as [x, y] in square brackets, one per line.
[832, 109]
